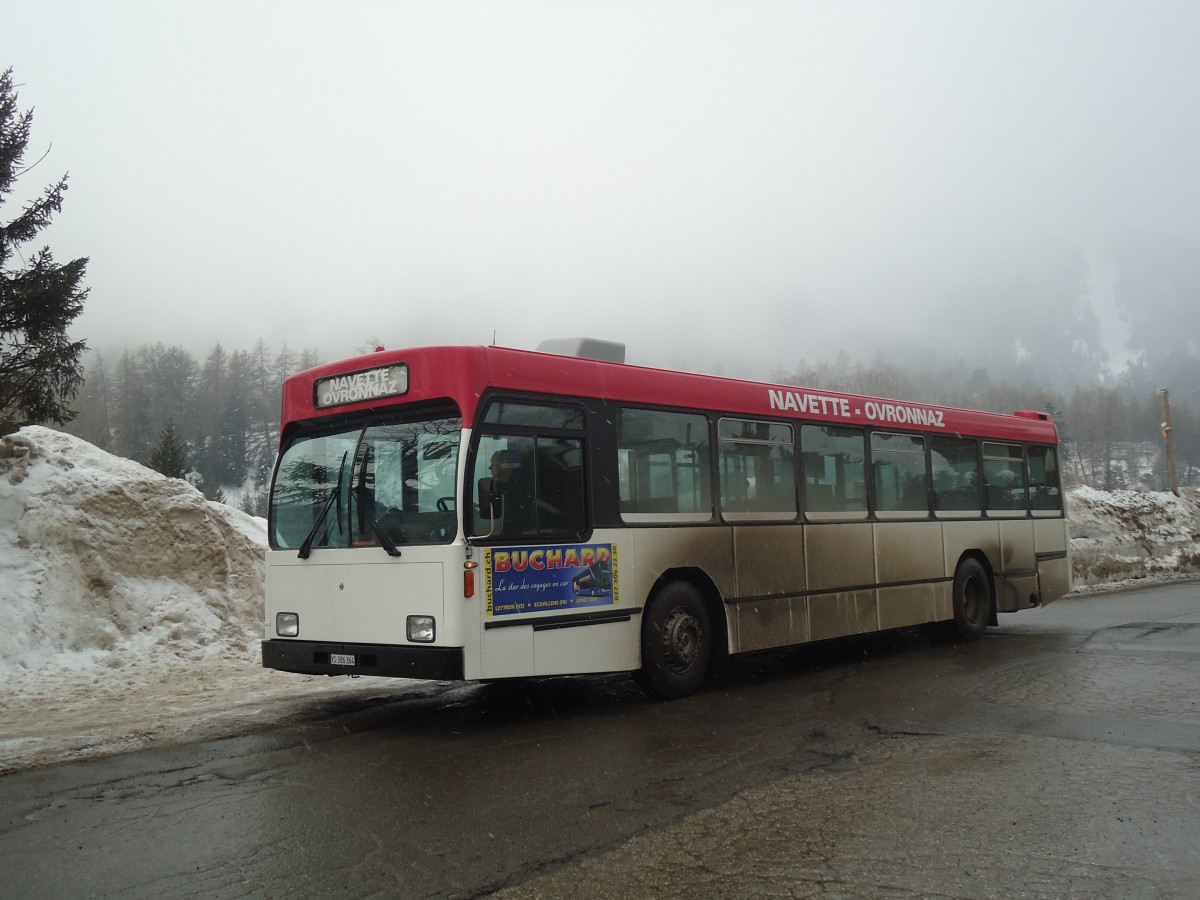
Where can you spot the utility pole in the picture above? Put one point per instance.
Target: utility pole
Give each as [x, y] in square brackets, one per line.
[1169, 436]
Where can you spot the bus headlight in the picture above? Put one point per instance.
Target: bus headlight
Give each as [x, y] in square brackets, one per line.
[420, 629]
[287, 624]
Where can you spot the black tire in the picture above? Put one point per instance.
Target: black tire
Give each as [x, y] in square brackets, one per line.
[677, 642]
[972, 600]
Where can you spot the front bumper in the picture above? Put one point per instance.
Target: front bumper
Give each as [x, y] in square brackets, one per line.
[311, 658]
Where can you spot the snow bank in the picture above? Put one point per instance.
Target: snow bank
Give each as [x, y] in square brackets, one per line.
[105, 562]
[132, 606]
[131, 609]
[1123, 536]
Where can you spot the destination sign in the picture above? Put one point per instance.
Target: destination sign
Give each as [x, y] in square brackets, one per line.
[358, 387]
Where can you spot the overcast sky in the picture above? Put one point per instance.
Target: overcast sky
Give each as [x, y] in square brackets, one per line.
[730, 183]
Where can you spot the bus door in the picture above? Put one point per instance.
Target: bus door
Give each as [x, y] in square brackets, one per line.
[545, 576]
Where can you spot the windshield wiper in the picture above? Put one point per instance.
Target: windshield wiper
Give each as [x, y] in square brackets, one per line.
[382, 536]
[306, 547]
[366, 502]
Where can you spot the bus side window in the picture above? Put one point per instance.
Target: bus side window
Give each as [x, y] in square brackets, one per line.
[955, 464]
[1045, 495]
[665, 466]
[835, 471]
[757, 470]
[1004, 479]
[898, 465]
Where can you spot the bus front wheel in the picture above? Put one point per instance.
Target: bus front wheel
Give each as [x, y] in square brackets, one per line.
[972, 600]
[677, 642]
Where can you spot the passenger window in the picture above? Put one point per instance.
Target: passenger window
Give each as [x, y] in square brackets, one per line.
[664, 466]
[1045, 495]
[898, 467]
[835, 481]
[758, 470]
[954, 464]
[1004, 479]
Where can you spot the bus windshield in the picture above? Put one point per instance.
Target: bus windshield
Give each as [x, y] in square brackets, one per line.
[387, 484]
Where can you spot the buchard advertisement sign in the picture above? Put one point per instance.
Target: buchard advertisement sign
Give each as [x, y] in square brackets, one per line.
[549, 579]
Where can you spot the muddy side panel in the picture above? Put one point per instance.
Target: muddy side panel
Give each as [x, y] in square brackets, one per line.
[841, 578]
[769, 608]
[911, 572]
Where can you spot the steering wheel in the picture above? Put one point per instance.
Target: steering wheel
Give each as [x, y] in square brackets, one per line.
[443, 503]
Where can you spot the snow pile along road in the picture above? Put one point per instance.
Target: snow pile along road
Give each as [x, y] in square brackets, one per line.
[106, 562]
[132, 607]
[1123, 536]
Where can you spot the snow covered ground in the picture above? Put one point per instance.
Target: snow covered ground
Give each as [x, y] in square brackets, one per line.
[132, 606]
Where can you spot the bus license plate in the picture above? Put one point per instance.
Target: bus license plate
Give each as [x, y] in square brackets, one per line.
[341, 659]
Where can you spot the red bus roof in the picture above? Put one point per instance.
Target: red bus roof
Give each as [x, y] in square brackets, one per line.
[462, 374]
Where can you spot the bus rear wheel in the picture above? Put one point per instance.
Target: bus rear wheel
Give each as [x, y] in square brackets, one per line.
[677, 642]
[972, 601]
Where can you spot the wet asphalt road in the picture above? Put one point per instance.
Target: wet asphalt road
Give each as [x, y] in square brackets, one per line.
[1059, 756]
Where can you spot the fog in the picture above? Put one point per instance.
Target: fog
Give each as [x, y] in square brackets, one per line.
[725, 186]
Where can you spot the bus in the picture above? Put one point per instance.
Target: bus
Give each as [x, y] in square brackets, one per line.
[486, 513]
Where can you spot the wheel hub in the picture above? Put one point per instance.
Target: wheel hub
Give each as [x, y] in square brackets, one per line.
[682, 637]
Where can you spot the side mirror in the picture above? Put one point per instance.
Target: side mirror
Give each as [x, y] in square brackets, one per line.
[491, 503]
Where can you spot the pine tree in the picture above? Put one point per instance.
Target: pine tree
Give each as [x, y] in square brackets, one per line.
[262, 439]
[92, 402]
[210, 404]
[235, 419]
[132, 429]
[169, 456]
[170, 376]
[40, 368]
